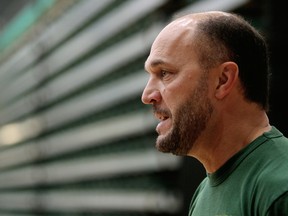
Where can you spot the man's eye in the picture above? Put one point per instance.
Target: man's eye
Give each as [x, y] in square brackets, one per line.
[163, 73]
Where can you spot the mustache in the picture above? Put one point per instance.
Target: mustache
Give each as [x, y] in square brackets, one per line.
[161, 111]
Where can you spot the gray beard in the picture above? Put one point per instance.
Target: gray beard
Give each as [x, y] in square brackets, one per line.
[188, 123]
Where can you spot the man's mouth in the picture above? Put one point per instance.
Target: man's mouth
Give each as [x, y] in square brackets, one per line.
[161, 117]
[165, 121]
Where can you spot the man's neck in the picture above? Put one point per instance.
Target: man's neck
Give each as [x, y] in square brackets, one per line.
[222, 142]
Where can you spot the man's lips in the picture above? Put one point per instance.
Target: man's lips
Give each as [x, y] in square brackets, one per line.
[165, 121]
[163, 126]
[161, 117]
[161, 114]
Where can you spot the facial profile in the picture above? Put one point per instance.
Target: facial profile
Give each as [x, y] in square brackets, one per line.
[188, 121]
[182, 106]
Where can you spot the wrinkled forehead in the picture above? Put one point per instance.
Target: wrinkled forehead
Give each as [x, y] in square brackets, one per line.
[174, 44]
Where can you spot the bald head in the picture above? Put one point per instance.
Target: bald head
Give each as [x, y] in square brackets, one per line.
[186, 33]
[187, 19]
[215, 37]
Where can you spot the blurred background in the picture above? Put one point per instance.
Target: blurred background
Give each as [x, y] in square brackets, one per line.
[75, 138]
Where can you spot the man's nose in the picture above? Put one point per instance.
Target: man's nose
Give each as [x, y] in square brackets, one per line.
[151, 93]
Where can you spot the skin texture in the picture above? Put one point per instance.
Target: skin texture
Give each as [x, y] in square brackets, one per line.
[202, 111]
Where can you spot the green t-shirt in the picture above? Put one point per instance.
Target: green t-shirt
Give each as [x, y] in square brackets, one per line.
[252, 182]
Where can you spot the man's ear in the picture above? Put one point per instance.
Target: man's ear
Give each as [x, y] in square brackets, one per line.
[227, 77]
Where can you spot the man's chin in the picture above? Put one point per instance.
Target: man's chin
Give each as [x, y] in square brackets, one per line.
[165, 144]
[161, 144]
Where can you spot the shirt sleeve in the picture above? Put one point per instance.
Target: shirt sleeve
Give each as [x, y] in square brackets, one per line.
[279, 206]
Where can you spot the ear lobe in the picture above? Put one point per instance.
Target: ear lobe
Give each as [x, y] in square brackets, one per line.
[227, 79]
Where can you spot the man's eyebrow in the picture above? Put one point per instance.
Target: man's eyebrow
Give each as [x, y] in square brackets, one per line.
[154, 63]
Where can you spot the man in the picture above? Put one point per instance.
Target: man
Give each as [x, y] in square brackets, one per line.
[209, 87]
